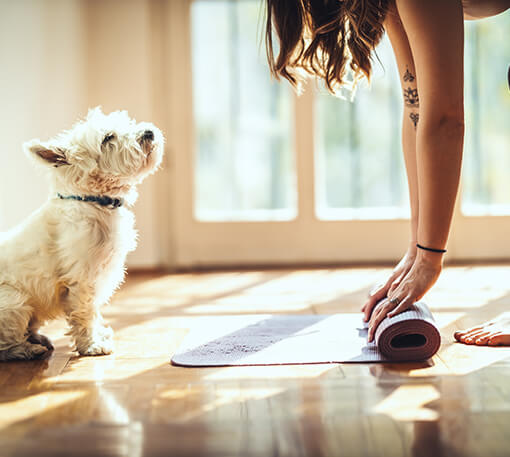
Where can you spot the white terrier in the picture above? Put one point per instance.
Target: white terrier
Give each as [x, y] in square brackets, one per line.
[68, 257]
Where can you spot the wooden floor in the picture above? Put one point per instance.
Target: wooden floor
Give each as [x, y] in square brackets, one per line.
[134, 403]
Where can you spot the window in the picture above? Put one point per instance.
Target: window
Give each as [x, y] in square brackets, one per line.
[244, 164]
[360, 169]
[486, 175]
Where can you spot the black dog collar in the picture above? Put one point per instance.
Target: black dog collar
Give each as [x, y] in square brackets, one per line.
[102, 200]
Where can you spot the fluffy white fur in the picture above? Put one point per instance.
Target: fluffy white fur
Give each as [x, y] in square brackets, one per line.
[68, 257]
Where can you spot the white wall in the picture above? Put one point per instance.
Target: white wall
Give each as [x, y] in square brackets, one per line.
[57, 59]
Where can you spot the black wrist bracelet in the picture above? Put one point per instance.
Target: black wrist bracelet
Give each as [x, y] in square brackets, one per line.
[430, 249]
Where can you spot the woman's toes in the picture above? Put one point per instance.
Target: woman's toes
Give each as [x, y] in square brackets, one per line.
[476, 334]
[484, 335]
[462, 337]
[500, 339]
[478, 328]
[472, 337]
[482, 340]
[493, 341]
[460, 334]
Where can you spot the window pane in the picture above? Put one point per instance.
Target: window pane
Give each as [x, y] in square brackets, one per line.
[359, 164]
[486, 174]
[244, 158]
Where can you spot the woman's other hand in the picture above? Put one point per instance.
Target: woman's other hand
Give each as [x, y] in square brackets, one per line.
[382, 291]
[416, 283]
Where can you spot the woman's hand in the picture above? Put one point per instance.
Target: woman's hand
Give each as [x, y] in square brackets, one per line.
[416, 283]
[382, 291]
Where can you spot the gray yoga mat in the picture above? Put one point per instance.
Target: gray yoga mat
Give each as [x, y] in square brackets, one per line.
[302, 339]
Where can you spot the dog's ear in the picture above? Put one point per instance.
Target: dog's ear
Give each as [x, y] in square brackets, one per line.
[46, 153]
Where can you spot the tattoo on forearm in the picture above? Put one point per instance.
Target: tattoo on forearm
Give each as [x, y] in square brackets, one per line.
[415, 117]
[408, 76]
[411, 97]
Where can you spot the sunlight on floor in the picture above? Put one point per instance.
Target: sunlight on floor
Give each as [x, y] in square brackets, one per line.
[233, 293]
[244, 303]
[310, 290]
[108, 369]
[462, 359]
[469, 287]
[197, 402]
[274, 372]
[444, 319]
[21, 409]
[406, 403]
[294, 291]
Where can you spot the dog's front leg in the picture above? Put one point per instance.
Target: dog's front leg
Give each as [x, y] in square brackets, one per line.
[90, 334]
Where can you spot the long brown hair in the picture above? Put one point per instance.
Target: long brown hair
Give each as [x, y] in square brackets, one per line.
[324, 38]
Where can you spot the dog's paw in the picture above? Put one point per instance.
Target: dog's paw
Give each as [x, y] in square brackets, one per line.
[101, 344]
[25, 351]
[37, 338]
[39, 351]
[98, 348]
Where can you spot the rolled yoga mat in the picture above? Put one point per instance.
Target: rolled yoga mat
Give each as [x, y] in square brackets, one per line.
[409, 336]
[303, 339]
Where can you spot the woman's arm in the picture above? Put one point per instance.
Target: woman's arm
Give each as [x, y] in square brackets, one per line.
[409, 84]
[436, 34]
[436, 37]
[410, 100]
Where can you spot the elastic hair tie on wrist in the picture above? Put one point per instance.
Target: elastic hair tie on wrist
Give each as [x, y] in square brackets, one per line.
[430, 249]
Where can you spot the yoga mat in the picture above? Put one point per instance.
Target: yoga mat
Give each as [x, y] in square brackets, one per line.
[302, 339]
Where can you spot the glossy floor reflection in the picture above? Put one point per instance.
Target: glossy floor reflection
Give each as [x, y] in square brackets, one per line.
[134, 403]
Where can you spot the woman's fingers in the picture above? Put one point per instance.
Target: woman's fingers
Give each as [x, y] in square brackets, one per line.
[402, 305]
[376, 295]
[372, 292]
[389, 287]
[398, 280]
[391, 307]
[395, 284]
[413, 286]
[370, 304]
[379, 314]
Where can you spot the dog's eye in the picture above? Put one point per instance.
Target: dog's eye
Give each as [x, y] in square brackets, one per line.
[108, 137]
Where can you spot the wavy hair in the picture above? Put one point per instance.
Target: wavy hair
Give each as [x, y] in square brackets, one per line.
[324, 38]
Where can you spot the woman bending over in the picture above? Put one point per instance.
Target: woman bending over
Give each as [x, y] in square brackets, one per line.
[334, 39]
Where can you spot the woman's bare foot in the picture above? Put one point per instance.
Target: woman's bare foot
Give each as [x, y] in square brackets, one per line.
[492, 333]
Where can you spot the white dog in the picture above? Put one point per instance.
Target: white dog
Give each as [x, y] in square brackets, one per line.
[68, 257]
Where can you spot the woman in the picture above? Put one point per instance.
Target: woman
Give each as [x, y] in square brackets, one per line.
[331, 38]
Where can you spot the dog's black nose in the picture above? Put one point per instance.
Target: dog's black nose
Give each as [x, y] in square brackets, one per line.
[148, 135]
